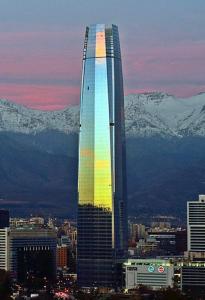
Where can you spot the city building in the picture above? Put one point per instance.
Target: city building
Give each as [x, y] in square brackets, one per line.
[65, 240]
[4, 218]
[154, 273]
[102, 218]
[73, 237]
[4, 239]
[196, 224]
[18, 222]
[4, 248]
[193, 272]
[193, 278]
[181, 241]
[39, 221]
[145, 248]
[33, 252]
[62, 257]
[171, 242]
[137, 232]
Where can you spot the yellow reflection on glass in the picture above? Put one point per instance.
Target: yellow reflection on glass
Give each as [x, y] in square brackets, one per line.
[102, 159]
[100, 44]
[95, 180]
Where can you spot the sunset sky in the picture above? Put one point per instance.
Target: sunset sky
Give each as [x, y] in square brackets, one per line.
[41, 42]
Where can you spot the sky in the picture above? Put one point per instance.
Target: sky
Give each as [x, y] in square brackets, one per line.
[41, 43]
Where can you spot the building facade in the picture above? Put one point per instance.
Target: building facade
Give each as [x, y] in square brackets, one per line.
[170, 242]
[32, 252]
[4, 248]
[4, 239]
[193, 278]
[102, 219]
[153, 273]
[62, 257]
[196, 224]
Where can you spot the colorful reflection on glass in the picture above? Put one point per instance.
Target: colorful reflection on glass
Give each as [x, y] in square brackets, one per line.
[101, 176]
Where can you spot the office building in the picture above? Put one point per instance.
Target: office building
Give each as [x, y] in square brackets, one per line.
[4, 239]
[102, 219]
[4, 248]
[153, 273]
[193, 278]
[62, 257]
[169, 242]
[193, 273]
[33, 252]
[196, 224]
[137, 232]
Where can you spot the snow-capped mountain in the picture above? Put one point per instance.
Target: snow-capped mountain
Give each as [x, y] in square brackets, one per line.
[161, 114]
[38, 169]
[18, 118]
[146, 115]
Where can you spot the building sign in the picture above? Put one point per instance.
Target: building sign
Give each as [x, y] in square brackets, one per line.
[131, 268]
[151, 269]
[161, 269]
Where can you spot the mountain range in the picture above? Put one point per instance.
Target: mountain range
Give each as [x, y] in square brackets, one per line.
[165, 155]
[146, 115]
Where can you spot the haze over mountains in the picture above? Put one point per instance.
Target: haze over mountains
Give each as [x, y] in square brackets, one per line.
[165, 155]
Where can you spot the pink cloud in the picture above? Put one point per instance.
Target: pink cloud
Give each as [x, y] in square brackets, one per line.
[39, 69]
[43, 69]
[43, 55]
[45, 65]
[40, 97]
[179, 68]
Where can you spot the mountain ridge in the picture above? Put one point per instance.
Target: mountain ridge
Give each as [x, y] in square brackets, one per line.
[165, 156]
[146, 115]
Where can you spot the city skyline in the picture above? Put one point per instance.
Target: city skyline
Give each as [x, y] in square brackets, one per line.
[163, 48]
[97, 199]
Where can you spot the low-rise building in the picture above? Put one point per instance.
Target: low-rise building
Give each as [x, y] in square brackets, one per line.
[154, 273]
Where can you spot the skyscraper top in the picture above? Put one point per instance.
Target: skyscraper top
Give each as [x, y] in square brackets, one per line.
[101, 40]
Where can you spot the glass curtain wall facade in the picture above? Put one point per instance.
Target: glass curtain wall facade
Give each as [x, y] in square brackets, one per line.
[102, 219]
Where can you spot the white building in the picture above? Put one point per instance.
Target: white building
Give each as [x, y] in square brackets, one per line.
[196, 224]
[154, 273]
[4, 249]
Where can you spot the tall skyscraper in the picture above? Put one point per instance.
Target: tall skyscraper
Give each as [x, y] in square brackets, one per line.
[196, 225]
[102, 217]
